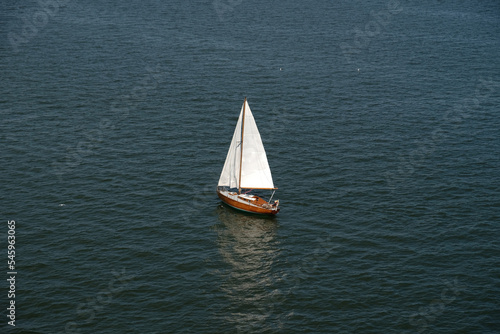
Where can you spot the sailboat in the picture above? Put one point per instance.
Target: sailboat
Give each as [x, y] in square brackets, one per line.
[246, 169]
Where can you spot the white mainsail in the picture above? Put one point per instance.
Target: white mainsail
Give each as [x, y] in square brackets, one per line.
[255, 171]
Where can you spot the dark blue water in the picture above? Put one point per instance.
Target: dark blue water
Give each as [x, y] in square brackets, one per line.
[381, 124]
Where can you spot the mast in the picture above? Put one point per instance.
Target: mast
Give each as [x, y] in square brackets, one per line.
[241, 147]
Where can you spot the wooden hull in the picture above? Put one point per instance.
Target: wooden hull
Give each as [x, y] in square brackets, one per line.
[255, 206]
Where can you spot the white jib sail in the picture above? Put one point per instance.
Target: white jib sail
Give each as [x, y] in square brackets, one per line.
[255, 171]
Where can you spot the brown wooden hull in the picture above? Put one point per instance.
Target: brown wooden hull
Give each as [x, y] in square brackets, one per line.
[248, 207]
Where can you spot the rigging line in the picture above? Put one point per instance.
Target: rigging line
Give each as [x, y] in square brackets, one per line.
[272, 196]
